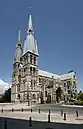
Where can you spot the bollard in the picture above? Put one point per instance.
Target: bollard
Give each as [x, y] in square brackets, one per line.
[49, 118]
[22, 109]
[12, 109]
[39, 110]
[5, 124]
[61, 112]
[30, 121]
[77, 113]
[2, 110]
[64, 117]
[49, 111]
[31, 109]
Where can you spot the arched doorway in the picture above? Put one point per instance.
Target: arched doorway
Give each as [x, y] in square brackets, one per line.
[48, 98]
[41, 97]
[58, 94]
[18, 96]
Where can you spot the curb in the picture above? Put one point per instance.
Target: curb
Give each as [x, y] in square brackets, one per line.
[72, 106]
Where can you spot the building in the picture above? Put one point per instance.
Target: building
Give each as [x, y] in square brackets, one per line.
[33, 85]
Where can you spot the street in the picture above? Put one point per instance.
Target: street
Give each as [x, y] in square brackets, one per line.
[20, 120]
[56, 108]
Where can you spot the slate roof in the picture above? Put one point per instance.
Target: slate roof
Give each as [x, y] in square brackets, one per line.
[61, 77]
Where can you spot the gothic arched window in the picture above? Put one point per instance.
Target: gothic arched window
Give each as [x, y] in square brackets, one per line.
[19, 78]
[18, 96]
[24, 69]
[18, 88]
[40, 80]
[31, 83]
[30, 59]
[45, 93]
[30, 70]
[34, 60]
[20, 58]
[34, 96]
[34, 83]
[33, 71]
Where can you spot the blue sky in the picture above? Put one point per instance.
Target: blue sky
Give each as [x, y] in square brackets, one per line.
[58, 28]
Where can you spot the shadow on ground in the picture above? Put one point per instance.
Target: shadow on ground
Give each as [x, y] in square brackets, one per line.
[25, 124]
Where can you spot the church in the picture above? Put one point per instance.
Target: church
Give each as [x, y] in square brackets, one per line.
[32, 85]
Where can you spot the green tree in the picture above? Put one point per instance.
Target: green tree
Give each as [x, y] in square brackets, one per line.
[6, 97]
[80, 96]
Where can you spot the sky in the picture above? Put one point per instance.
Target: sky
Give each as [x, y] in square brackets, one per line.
[58, 26]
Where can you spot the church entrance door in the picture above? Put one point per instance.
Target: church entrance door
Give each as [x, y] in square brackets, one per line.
[58, 94]
[41, 98]
[49, 99]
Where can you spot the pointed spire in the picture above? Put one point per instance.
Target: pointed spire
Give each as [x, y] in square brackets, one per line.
[29, 43]
[18, 40]
[30, 26]
[19, 49]
[19, 35]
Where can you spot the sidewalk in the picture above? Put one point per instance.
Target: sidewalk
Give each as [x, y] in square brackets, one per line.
[55, 117]
[78, 106]
[16, 106]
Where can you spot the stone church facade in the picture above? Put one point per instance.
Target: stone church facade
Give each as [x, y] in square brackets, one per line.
[32, 85]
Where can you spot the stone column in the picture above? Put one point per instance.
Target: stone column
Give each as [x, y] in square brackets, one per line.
[44, 94]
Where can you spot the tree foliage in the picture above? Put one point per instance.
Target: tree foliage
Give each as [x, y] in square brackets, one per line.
[6, 97]
[80, 96]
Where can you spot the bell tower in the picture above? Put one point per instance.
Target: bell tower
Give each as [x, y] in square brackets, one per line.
[30, 65]
[15, 74]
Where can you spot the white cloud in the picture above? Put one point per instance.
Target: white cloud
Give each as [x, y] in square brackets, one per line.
[3, 86]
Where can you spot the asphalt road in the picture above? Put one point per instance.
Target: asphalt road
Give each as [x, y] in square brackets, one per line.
[24, 124]
[57, 108]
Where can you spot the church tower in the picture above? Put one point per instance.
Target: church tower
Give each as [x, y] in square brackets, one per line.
[30, 81]
[25, 78]
[16, 65]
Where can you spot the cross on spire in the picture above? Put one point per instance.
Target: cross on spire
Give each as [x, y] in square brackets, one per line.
[30, 8]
